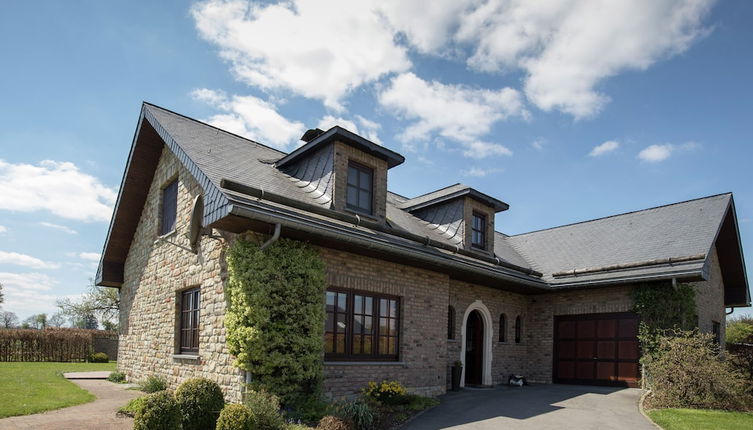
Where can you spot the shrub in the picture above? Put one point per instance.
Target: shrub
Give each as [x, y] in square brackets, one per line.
[740, 330]
[415, 402]
[236, 417]
[153, 383]
[98, 357]
[266, 409]
[332, 423]
[117, 377]
[158, 412]
[359, 414]
[200, 401]
[134, 405]
[278, 343]
[310, 410]
[686, 371]
[386, 392]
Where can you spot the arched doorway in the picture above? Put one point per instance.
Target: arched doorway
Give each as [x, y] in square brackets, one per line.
[474, 349]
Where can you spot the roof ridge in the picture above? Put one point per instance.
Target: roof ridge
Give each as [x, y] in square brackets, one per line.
[437, 190]
[214, 127]
[620, 214]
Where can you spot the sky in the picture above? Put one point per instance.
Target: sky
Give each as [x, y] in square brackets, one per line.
[568, 110]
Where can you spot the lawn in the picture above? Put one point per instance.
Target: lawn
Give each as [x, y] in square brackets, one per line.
[696, 419]
[29, 388]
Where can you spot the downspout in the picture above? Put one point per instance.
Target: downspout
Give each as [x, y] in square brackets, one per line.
[265, 245]
[732, 309]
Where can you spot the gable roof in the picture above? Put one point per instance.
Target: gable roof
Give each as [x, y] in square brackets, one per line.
[241, 178]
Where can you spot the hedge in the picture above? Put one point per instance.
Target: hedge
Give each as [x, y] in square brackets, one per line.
[50, 344]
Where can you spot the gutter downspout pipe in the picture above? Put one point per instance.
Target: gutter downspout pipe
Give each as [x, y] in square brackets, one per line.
[273, 239]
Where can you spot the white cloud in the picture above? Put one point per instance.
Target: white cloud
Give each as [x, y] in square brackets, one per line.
[320, 49]
[57, 187]
[479, 150]
[367, 129]
[479, 172]
[568, 47]
[62, 228]
[28, 293]
[91, 256]
[604, 148]
[455, 112]
[251, 117]
[329, 121]
[538, 144]
[656, 153]
[25, 260]
[3, 229]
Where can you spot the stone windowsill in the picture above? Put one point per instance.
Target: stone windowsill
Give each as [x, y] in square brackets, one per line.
[185, 357]
[364, 363]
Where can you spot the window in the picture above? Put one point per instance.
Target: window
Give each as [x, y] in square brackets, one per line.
[361, 326]
[360, 186]
[503, 328]
[716, 329]
[169, 207]
[450, 322]
[517, 329]
[189, 321]
[478, 231]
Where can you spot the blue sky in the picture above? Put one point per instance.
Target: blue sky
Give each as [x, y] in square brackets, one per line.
[511, 98]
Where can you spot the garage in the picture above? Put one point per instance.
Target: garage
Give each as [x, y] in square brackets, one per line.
[596, 349]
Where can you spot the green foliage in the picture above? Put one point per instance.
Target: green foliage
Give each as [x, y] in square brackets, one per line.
[662, 307]
[133, 406]
[693, 419]
[740, 330]
[200, 402]
[332, 423]
[387, 392]
[688, 372]
[419, 403]
[98, 357]
[153, 383]
[117, 377]
[266, 409]
[98, 303]
[158, 412]
[359, 414]
[236, 417]
[275, 316]
[310, 410]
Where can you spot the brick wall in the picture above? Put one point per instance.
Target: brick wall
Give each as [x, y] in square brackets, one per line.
[345, 153]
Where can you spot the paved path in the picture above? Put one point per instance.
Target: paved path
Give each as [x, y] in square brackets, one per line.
[99, 414]
[539, 407]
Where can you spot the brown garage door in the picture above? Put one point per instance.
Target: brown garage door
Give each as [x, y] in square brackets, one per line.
[596, 349]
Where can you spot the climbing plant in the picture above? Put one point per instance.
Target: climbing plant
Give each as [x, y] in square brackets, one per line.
[275, 316]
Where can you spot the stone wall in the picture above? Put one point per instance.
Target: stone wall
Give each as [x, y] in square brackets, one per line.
[709, 299]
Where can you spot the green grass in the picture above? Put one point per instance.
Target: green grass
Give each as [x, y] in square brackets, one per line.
[28, 388]
[697, 419]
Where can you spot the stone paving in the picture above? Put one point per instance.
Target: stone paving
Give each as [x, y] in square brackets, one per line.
[99, 414]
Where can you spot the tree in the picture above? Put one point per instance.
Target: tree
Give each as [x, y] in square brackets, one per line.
[8, 319]
[38, 321]
[97, 304]
[1, 293]
[56, 320]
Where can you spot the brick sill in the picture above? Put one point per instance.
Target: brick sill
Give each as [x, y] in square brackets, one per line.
[364, 363]
[186, 357]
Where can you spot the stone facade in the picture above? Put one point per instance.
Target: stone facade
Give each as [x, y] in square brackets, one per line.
[156, 271]
[709, 297]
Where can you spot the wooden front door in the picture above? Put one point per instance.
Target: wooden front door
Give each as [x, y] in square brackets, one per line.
[474, 348]
[596, 349]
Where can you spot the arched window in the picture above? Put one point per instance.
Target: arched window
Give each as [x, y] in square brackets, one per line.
[503, 328]
[518, 329]
[450, 322]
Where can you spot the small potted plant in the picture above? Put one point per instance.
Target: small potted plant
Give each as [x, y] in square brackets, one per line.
[457, 371]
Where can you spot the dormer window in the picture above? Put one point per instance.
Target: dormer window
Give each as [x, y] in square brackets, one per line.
[478, 231]
[360, 188]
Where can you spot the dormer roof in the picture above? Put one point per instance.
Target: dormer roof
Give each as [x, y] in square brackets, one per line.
[452, 192]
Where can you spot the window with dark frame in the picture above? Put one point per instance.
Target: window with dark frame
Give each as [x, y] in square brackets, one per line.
[361, 326]
[360, 189]
[717, 330]
[518, 329]
[450, 322]
[169, 208]
[190, 302]
[503, 328]
[478, 231]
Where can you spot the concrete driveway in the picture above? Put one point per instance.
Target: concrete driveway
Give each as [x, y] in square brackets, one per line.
[537, 407]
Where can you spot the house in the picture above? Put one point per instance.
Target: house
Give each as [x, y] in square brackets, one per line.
[432, 273]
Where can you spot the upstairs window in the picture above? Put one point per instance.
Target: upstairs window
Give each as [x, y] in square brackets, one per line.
[169, 207]
[360, 188]
[189, 321]
[478, 231]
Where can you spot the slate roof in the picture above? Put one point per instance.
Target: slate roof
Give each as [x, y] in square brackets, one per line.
[452, 192]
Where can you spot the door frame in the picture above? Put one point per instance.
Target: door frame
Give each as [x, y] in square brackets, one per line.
[486, 318]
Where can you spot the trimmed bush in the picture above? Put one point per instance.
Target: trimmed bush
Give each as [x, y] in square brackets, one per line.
[98, 357]
[158, 412]
[686, 371]
[266, 409]
[332, 423]
[153, 383]
[200, 402]
[117, 377]
[236, 417]
[740, 330]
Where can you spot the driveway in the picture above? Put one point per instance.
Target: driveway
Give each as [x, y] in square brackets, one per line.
[537, 407]
[99, 414]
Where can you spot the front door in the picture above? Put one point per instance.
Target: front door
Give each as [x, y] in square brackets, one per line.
[474, 348]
